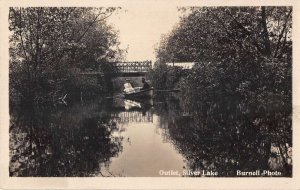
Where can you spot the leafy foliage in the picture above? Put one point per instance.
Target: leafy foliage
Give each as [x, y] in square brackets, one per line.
[226, 33]
[48, 44]
[236, 54]
[242, 76]
[164, 77]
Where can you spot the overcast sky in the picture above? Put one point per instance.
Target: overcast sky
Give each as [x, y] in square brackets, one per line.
[141, 29]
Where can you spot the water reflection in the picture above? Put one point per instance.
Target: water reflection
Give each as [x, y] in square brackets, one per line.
[129, 111]
[145, 151]
[69, 142]
[119, 137]
[224, 138]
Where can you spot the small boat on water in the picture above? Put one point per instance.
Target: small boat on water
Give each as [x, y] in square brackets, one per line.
[139, 93]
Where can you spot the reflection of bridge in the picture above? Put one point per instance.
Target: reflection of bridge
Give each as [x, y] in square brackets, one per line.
[132, 116]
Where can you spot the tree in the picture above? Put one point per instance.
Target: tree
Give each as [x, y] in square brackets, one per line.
[224, 33]
[48, 44]
[250, 47]
[243, 61]
[239, 91]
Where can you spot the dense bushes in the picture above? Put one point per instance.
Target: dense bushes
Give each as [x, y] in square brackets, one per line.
[165, 77]
[243, 63]
[238, 94]
[50, 47]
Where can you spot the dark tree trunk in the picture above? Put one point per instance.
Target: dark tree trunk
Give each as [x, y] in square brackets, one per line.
[265, 32]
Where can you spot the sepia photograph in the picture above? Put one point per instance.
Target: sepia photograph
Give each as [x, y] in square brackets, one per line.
[147, 91]
[215, 101]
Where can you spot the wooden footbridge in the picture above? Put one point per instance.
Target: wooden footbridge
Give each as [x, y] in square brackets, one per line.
[127, 69]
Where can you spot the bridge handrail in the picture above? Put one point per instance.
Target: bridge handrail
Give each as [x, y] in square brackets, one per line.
[135, 66]
[126, 67]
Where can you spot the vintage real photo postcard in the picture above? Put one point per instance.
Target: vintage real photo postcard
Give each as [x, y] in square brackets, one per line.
[148, 94]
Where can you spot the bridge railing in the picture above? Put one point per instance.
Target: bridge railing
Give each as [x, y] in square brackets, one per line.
[133, 67]
[126, 68]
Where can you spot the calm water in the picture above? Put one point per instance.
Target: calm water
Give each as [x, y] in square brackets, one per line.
[117, 137]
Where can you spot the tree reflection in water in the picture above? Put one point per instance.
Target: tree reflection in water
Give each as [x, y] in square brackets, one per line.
[222, 135]
[226, 136]
[71, 142]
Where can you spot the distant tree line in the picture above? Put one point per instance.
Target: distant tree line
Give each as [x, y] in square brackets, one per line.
[50, 46]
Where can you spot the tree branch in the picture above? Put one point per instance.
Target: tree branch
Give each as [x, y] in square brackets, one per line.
[282, 33]
[84, 33]
[20, 34]
[247, 32]
[22, 43]
[265, 32]
[226, 30]
[91, 24]
[283, 45]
